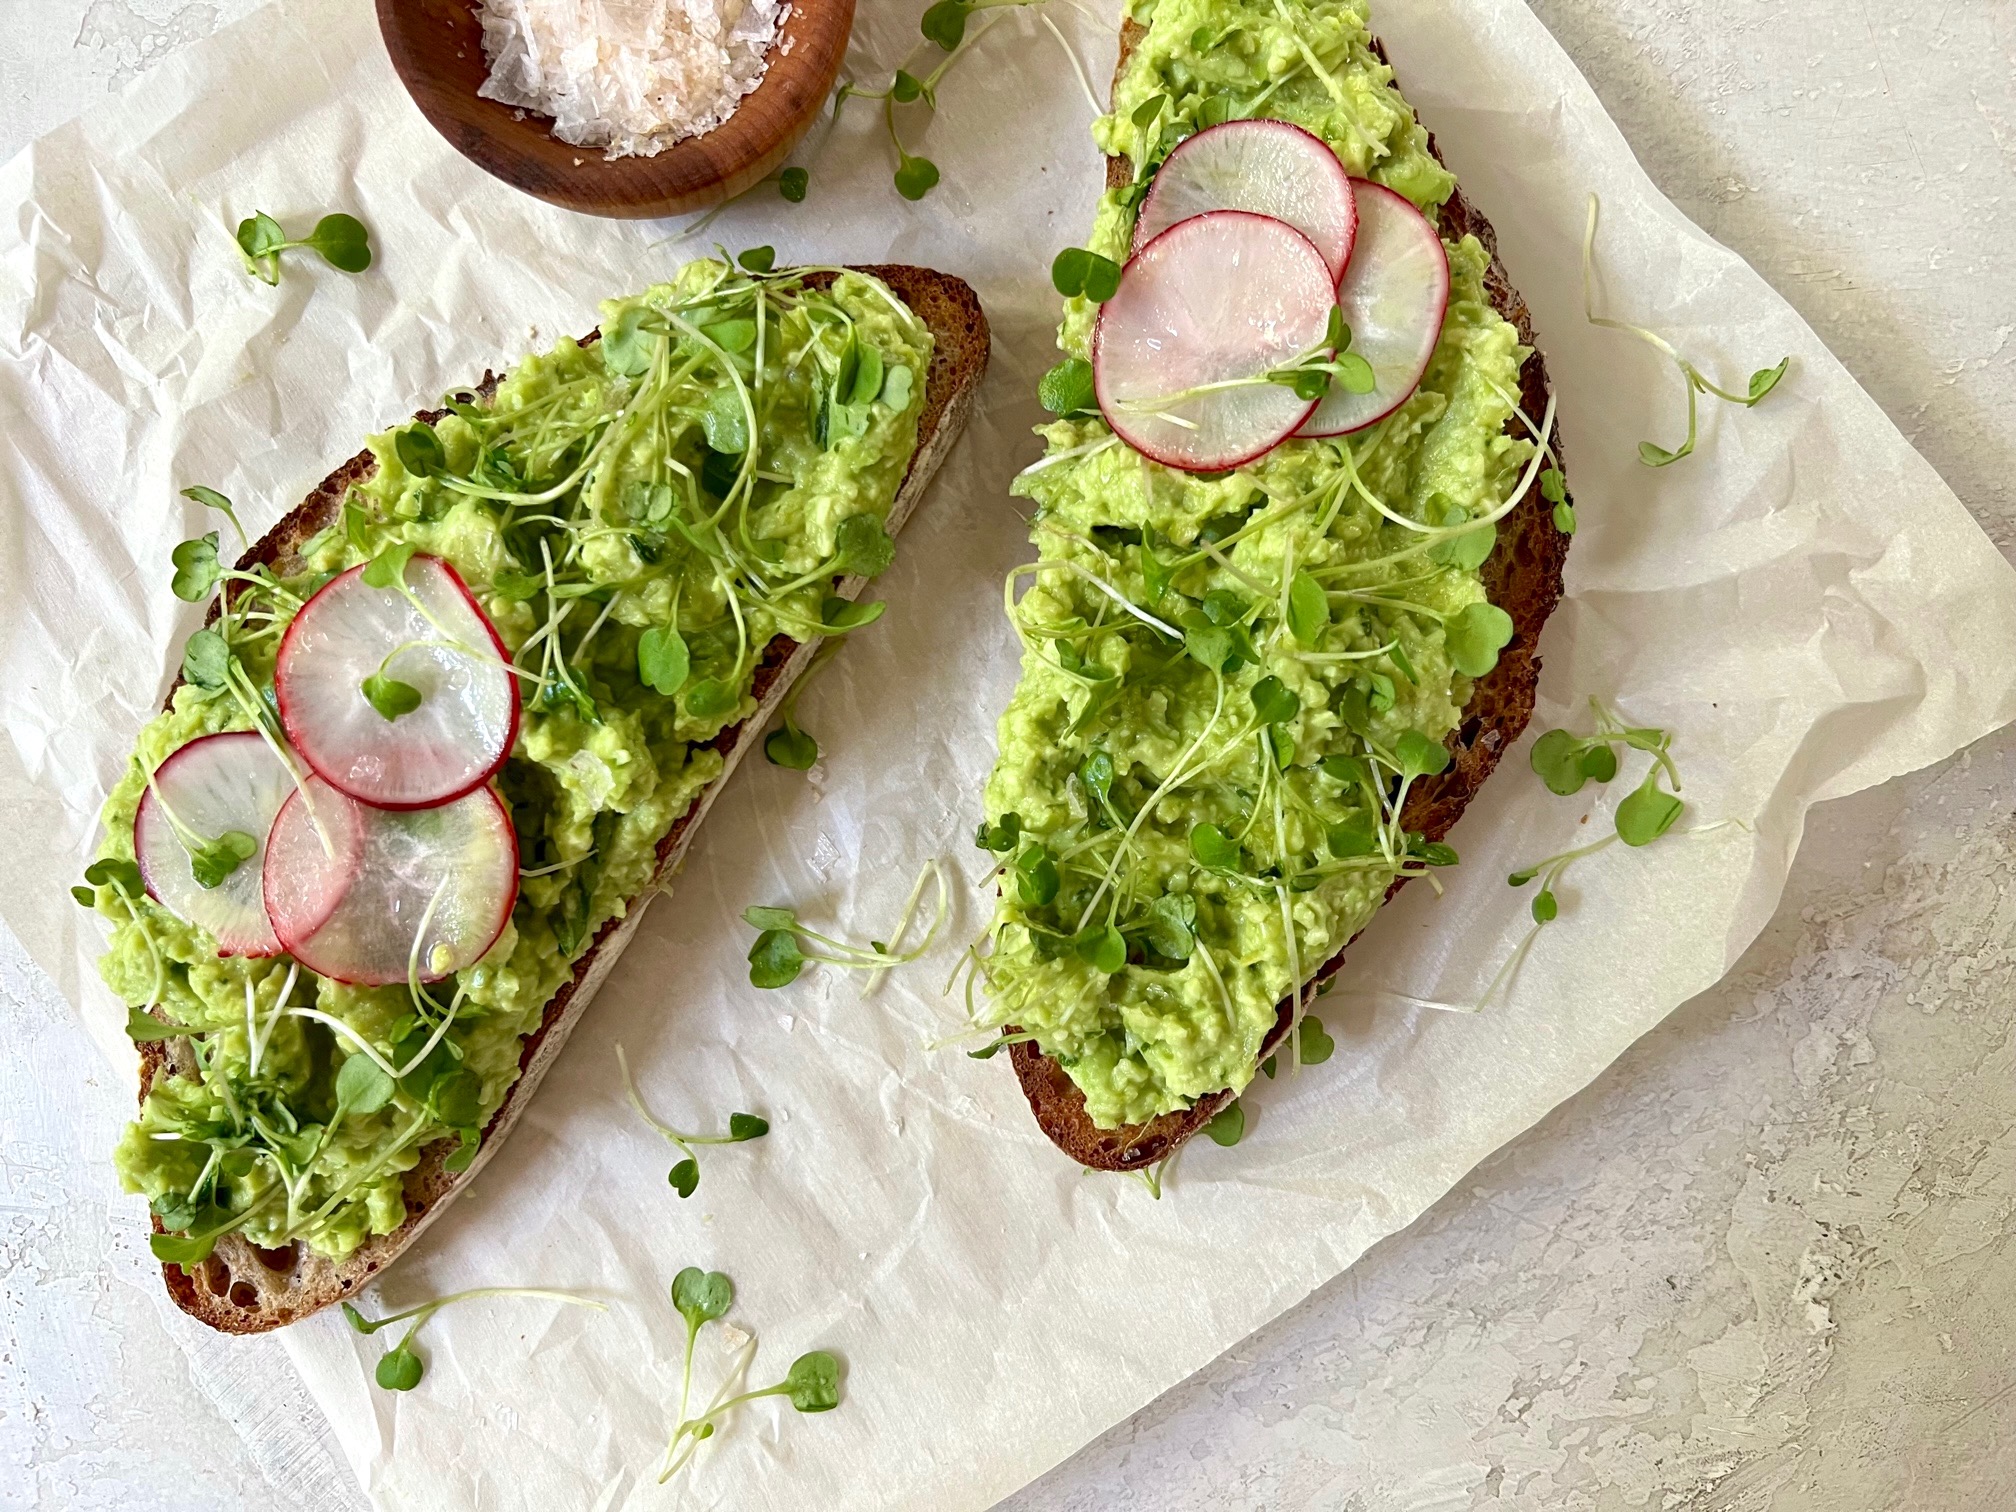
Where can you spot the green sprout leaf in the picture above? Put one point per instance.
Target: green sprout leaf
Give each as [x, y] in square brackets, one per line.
[389, 696]
[1766, 379]
[793, 183]
[1355, 375]
[342, 241]
[143, 1028]
[468, 1141]
[1351, 771]
[1067, 388]
[897, 386]
[1352, 837]
[813, 1382]
[663, 661]
[1476, 636]
[862, 547]
[743, 1127]
[1002, 835]
[260, 241]
[1313, 1045]
[905, 87]
[1229, 1126]
[1565, 762]
[209, 498]
[1419, 756]
[1273, 702]
[120, 876]
[789, 747]
[1036, 879]
[196, 568]
[1149, 110]
[685, 1176]
[171, 1249]
[1648, 812]
[215, 860]
[388, 568]
[775, 959]
[1076, 272]
[1172, 926]
[1102, 947]
[758, 259]
[206, 660]
[1214, 848]
[700, 1296]
[1308, 609]
[362, 1085]
[1545, 907]
[711, 696]
[1654, 455]
[916, 176]
[628, 345]
[420, 451]
[945, 23]
[399, 1369]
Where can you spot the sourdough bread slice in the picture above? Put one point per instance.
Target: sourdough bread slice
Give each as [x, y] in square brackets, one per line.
[242, 1288]
[1522, 577]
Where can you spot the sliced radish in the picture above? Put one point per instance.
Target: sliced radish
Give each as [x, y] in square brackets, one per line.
[438, 881]
[217, 785]
[1227, 295]
[1394, 295]
[467, 718]
[1267, 167]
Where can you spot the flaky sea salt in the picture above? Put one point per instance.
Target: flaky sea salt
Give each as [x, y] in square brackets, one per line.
[629, 76]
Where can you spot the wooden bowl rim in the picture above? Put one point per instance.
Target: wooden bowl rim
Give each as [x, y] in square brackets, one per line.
[698, 172]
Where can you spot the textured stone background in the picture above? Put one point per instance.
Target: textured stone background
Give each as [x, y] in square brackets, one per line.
[1763, 1263]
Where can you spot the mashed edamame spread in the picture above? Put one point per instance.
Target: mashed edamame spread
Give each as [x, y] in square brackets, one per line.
[603, 492]
[1229, 680]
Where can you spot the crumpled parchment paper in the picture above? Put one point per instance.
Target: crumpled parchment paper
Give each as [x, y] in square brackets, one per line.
[1803, 602]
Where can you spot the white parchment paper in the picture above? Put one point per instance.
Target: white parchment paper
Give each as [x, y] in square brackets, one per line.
[1803, 602]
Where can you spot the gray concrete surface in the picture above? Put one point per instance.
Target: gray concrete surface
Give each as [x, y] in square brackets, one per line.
[1764, 1262]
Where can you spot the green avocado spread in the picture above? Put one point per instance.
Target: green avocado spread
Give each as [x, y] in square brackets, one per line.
[1229, 681]
[606, 497]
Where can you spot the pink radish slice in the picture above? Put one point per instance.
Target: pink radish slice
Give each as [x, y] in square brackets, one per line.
[391, 867]
[468, 715]
[214, 784]
[1267, 167]
[1394, 295]
[1220, 296]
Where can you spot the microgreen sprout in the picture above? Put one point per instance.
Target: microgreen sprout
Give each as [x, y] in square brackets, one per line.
[699, 1297]
[781, 951]
[341, 239]
[400, 1368]
[685, 1174]
[944, 28]
[1228, 1125]
[1762, 382]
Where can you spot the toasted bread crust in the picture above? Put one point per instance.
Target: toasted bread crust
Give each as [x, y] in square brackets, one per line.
[245, 1289]
[1522, 577]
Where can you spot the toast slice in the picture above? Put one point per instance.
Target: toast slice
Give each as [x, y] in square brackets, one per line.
[1522, 577]
[242, 1288]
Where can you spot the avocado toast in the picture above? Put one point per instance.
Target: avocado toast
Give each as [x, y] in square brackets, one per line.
[1124, 1056]
[284, 1168]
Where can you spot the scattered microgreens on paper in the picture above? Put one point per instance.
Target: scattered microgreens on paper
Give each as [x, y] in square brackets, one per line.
[342, 241]
[1762, 382]
[685, 1174]
[812, 1384]
[400, 1368]
[944, 27]
[784, 946]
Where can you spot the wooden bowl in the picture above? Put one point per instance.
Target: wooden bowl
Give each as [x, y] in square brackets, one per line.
[437, 51]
